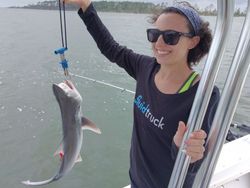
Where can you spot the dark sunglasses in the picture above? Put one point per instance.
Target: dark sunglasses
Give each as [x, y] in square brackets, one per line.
[170, 37]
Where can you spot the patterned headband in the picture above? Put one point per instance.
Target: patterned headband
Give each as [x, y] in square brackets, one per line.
[191, 15]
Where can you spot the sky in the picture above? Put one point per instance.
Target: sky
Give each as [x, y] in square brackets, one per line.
[200, 3]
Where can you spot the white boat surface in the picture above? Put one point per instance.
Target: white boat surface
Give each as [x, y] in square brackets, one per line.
[233, 167]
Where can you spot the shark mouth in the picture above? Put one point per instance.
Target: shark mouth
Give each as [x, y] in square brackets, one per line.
[66, 85]
[70, 84]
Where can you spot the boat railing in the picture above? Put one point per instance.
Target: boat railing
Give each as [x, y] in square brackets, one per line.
[222, 31]
[229, 98]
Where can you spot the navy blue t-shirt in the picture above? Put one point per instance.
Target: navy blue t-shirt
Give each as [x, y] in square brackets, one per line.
[156, 115]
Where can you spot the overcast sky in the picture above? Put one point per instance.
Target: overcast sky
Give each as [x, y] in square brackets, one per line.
[200, 3]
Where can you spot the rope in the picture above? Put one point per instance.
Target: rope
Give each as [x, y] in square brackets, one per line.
[61, 51]
[63, 26]
[65, 30]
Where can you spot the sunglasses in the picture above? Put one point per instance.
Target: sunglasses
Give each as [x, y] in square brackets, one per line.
[170, 37]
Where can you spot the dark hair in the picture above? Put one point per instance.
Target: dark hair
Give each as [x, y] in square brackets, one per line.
[205, 34]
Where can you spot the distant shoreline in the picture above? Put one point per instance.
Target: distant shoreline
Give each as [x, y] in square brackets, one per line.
[71, 10]
[123, 7]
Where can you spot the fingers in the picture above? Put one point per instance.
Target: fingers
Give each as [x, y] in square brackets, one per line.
[194, 145]
[81, 3]
[68, 1]
[195, 156]
[195, 142]
[180, 133]
[197, 138]
[181, 129]
[195, 150]
[200, 134]
[65, 1]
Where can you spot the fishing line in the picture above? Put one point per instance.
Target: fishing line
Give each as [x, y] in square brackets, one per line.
[63, 24]
[61, 51]
[104, 83]
[101, 82]
[64, 47]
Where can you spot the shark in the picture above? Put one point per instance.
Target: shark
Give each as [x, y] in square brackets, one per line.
[73, 124]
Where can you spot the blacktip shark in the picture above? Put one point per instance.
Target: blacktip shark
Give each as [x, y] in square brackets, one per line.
[73, 124]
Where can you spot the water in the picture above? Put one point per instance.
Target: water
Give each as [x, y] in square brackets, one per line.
[30, 122]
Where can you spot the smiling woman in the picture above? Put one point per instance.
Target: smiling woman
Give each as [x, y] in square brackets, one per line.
[31, 138]
[178, 31]
[198, 30]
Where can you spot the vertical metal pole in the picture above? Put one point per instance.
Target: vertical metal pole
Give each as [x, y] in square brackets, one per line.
[223, 27]
[227, 105]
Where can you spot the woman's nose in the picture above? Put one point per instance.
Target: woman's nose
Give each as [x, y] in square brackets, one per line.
[160, 41]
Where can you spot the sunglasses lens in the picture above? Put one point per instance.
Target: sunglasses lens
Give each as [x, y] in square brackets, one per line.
[171, 38]
[153, 35]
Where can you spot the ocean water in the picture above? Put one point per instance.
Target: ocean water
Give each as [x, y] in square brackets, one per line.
[30, 122]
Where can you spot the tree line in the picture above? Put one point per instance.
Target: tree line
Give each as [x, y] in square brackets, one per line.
[126, 6]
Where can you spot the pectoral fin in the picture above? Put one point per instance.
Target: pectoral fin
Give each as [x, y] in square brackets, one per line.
[89, 125]
[79, 159]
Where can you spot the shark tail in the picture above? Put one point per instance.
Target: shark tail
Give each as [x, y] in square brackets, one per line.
[28, 182]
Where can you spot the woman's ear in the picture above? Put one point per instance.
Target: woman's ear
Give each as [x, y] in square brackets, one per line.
[194, 41]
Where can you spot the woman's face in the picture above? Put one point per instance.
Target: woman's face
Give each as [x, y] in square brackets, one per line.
[172, 54]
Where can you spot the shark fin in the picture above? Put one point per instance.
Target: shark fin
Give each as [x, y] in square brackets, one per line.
[89, 125]
[79, 159]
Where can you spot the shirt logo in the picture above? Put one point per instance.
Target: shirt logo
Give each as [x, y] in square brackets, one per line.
[145, 110]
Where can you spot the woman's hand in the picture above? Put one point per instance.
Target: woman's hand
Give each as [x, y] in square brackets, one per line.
[194, 144]
[84, 4]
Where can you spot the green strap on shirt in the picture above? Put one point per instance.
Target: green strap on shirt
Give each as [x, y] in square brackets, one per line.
[188, 83]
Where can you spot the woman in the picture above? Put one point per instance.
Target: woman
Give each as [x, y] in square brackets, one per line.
[165, 90]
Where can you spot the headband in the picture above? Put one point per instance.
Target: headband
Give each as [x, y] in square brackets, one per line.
[191, 14]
